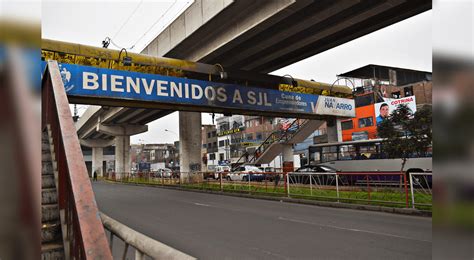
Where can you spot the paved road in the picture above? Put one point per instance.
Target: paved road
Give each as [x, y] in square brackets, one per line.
[211, 226]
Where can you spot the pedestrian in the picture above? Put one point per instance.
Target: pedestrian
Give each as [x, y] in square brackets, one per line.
[94, 178]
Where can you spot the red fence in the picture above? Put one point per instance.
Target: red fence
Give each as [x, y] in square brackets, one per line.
[365, 187]
[373, 188]
[85, 232]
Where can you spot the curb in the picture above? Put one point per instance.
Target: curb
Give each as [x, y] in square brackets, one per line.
[402, 211]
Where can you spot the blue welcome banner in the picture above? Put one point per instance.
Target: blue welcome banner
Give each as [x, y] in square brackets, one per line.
[85, 81]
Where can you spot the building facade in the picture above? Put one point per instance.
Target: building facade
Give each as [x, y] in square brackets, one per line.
[209, 147]
[155, 156]
[376, 86]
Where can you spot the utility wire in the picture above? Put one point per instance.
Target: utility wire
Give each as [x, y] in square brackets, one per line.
[156, 22]
[128, 19]
[120, 47]
[174, 18]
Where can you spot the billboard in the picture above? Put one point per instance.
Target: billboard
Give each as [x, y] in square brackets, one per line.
[85, 81]
[384, 109]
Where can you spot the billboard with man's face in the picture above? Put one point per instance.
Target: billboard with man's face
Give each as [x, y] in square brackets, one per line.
[384, 109]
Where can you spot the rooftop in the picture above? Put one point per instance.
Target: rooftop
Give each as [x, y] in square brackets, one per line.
[399, 77]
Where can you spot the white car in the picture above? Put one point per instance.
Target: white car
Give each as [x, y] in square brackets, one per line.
[221, 170]
[242, 174]
[164, 172]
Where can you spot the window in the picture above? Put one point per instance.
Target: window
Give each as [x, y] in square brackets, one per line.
[215, 144]
[365, 100]
[329, 153]
[214, 133]
[347, 152]
[346, 125]
[408, 91]
[208, 135]
[221, 157]
[366, 121]
[212, 156]
[236, 124]
[221, 143]
[226, 142]
[209, 145]
[204, 145]
[315, 154]
[396, 94]
[259, 136]
[249, 136]
[368, 151]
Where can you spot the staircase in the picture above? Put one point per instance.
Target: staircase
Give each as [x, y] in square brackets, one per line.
[71, 226]
[297, 132]
[52, 246]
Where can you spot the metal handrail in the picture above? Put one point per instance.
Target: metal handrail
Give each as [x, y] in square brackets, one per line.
[287, 134]
[247, 153]
[143, 245]
[84, 234]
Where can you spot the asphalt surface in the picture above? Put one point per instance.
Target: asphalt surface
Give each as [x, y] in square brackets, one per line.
[209, 226]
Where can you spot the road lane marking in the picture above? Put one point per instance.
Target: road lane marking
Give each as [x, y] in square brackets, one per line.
[269, 253]
[201, 204]
[352, 229]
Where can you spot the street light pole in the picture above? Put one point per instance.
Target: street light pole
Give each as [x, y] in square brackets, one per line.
[166, 130]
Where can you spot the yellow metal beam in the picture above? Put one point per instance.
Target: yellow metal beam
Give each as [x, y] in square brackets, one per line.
[74, 53]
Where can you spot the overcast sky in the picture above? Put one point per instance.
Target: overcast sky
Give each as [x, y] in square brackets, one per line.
[407, 44]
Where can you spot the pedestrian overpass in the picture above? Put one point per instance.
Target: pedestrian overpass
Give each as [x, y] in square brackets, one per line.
[131, 98]
[155, 89]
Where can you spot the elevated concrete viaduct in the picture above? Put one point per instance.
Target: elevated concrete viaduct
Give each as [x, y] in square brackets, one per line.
[263, 36]
[257, 36]
[100, 127]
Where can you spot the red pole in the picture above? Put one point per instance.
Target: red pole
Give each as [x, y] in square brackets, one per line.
[220, 181]
[404, 176]
[266, 185]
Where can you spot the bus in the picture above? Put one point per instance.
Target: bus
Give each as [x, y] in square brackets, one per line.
[365, 156]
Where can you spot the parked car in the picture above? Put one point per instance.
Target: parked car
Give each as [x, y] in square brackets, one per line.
[269, 172]
[303, 174]
[164, 172]
[220, 169]
[243, 172]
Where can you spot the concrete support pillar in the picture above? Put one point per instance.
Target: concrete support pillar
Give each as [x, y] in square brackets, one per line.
[189, 143]
[122, 135]
[287, 153]
[97, 160]
[334, 130]
[97, 146]
[287, 158]
[122, 155]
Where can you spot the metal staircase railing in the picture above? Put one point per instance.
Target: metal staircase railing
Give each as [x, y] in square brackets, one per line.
[85, 236]
[276, 136]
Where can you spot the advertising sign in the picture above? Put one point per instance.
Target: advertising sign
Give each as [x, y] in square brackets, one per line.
[362, 135]
[85, 81]
[384, 109]
[231, 131]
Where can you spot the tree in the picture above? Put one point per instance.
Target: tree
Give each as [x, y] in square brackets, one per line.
[406, 134]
